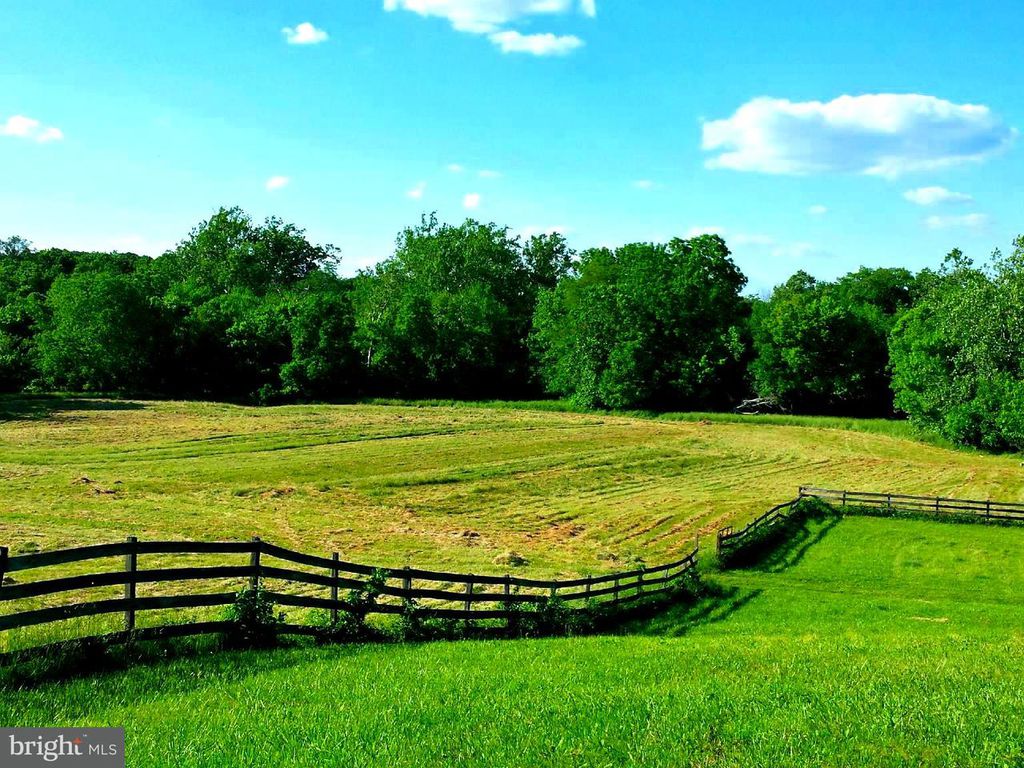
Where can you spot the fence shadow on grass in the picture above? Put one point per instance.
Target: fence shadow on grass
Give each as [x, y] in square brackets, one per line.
[88, 659]
[791, 547]
[717, 603]
[39, 407]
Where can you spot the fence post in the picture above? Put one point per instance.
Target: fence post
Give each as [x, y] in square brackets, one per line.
[334, 589]
[844, 498]
[554, 591]
[937, 500]
[3, 564]
[640, 582]
[590, 580]
[131, 563]
[469, 593]
[988, 508]
[615, 598]
[254, 563]
[407, 582]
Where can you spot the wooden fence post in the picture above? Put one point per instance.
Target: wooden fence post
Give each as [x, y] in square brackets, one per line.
[988, 508]
[469, 593]
[508, 585]
[590, 580]
[554, 591]
[254, 563]
[407, 582]
[334, 589]
[640, 582]
[131, 563]
[844, 498]
[4, 552]
[615, 596]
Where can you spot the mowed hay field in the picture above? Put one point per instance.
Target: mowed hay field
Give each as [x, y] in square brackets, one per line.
[438, 487]
[867, 642]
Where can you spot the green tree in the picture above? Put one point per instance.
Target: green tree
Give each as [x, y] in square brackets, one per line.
[822, 347]
[645, 326]
[449, 313]
[225, 294]
[324, 363]
[98, 336]
[958, 355]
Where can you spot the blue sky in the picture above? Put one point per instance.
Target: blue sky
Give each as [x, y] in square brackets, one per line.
[812, 135]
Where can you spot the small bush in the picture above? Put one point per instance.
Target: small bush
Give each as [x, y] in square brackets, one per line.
[254, 620]
[350, 625]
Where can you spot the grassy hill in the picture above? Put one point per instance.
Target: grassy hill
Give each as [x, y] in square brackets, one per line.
[867, 642]
[442, 486]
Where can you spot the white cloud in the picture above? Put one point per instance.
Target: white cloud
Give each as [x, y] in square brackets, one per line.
[486, 16]
[493, 17]
[935, 196]
[966, 221]
[818, 210]
[543, 44]
[455, 168]
[471, 201]
[878, 134]
[23, 127]
[416, 193]
[488, 174]
[759, 244]
[304, 34]
[277, 182]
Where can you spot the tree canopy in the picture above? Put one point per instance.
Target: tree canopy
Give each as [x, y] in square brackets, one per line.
[256, 312]
[645, 325]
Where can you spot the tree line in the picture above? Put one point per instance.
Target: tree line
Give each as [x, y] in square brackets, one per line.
[255, 312]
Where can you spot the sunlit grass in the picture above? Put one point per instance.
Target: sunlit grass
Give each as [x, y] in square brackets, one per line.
[867, 642]
[446, 486]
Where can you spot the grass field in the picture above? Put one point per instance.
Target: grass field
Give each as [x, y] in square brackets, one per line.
[867, 642]
[442, 486]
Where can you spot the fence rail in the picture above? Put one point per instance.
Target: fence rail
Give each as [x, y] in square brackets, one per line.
[938, 505]
[330, 573]
[729, 539]
[987, 509]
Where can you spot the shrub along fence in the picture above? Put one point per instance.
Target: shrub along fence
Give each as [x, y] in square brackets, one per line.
[730, 541]
[270, 567]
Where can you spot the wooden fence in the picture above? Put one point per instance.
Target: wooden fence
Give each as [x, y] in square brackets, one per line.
[935, 505]
[263, 562]
[728, 539]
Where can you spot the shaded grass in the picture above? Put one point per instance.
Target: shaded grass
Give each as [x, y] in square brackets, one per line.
[888, 643]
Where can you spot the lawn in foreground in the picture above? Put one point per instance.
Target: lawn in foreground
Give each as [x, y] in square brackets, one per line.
[869, 642]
